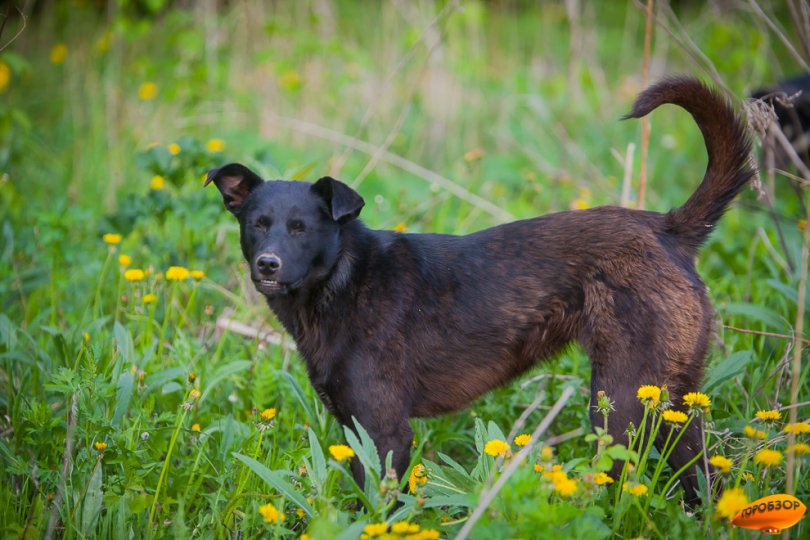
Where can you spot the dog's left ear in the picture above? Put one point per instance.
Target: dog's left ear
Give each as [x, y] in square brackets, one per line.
[343, 202]
[235, 182]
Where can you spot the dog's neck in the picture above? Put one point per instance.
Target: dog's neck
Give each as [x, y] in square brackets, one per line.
[322, 304]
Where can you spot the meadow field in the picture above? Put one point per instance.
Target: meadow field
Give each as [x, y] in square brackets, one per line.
[146, 391]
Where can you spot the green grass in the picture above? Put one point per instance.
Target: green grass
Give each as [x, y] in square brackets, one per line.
[295, 93]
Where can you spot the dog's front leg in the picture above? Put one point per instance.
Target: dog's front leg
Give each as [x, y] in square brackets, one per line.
[390, 434]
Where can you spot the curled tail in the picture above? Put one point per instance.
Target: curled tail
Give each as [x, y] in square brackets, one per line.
[727, 144]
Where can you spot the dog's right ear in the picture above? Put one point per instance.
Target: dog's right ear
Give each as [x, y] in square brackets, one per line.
[235, 182]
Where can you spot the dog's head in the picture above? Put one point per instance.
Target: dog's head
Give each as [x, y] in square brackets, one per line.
[290, 231]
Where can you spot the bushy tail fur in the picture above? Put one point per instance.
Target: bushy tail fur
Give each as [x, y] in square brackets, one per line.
[727, 144]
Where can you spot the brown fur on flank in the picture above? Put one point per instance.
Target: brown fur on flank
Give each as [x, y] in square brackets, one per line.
[394, 326]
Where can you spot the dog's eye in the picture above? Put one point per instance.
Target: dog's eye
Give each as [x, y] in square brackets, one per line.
[263, 223]
[296, 226]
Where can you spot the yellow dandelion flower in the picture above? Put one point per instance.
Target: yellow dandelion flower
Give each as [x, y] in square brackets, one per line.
[100, 446]
[722, 463]
[304, 536]
[376, 529]
[797, 428]
[649, 395]
[566, 487]
[556, 474]
[147, 91]
[537, 467]
[401, 227]
[547, 453]
[134, 274]
[635, 489]
[149, 298]
[769, 416]
[474, 155]
[497, 447]
[403, 527]
[523, 440]
[674, 417]
[112, 238]
[341, 452]
[215, 145]
[124, 260]
[579, 204]
[157, 183]
[747, 476]
[752, 433]
[177, 273]
[768, 457]
[300, 514]
[174, 149]
[697, 400]
[418, 477]
[732, 501]
[197, 275]
[270, 513]
[268, 414]
[5, 75]
[290, 80]
[799, 448]
[194, 394]
[602, 478]
[195, 427]
[58, 54]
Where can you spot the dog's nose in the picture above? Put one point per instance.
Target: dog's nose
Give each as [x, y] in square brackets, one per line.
[268, 263]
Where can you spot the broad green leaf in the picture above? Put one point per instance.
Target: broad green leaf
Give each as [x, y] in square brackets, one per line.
[724, 370]
[758, 313]
[318, 466]
[92, 501]
[123, 395]
[276, 480]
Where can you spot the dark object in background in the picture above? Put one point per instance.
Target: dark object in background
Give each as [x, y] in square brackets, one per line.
[794, 120]
[394, 326]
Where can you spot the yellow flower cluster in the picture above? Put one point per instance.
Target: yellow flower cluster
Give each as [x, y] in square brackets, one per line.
[5, 75]
[649, 395]
[769, 416]
[174, 149]
[147, 91]
[215, 145]
[797, 428]
[732, 501]
[768, 457]
[270, 513]
[563, 485]
[177, 273]
[124, 260]
[268, 414]
[674, 417]
[341, 452]
[602, 478]
[135, 274]
[635, 489]
[697, 400]
[799, 448]
[157, 183]
[398, 530]
[100, 446]
[418, 477]
[722, 463]
[149, 298]
[752, 433]
[497, 447]
[112, 239]
[523, 440]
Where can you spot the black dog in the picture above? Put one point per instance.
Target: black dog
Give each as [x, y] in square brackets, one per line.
[394, 326]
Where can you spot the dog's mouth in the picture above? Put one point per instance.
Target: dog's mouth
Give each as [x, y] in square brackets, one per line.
[270, 286]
